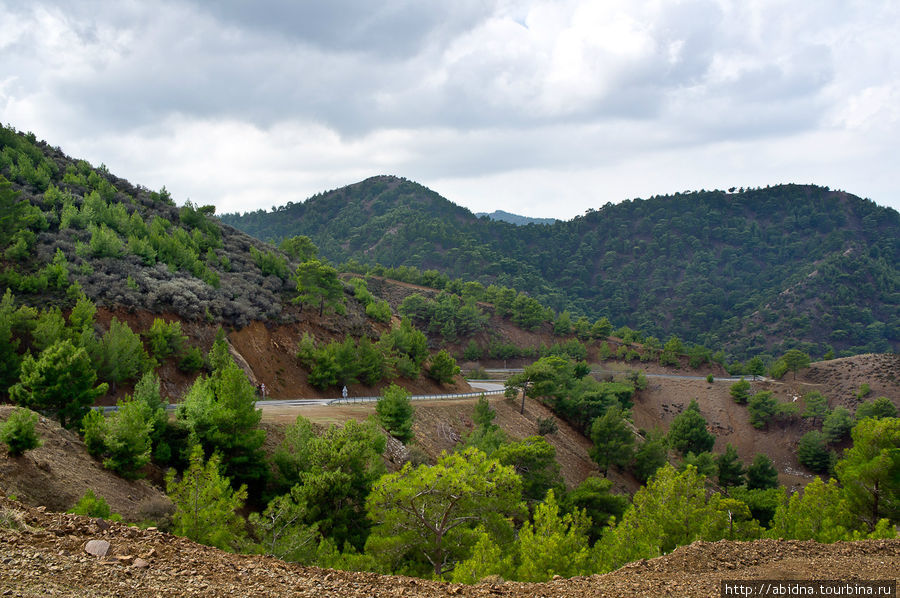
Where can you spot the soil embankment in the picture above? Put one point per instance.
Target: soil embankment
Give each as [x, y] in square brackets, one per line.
[44, 554]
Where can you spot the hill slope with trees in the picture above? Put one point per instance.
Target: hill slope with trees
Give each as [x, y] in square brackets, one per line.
[217, 316]
[754, 271]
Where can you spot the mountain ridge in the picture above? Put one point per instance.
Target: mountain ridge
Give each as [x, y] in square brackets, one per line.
[696, 264]
[514, 218]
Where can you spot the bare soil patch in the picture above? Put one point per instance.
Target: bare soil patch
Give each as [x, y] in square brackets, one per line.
[59, 472]
[440, 425]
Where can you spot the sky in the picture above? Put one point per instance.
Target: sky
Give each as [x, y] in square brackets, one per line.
[544, 108]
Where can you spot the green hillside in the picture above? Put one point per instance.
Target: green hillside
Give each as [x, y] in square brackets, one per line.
[759, 270]
[67, 227]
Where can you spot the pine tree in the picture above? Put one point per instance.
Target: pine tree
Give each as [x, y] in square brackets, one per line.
[816, 406]
[395, 412]
[812, 451]
[220, 412]
[688, 433]
[555, 544]
[281, 531]
[61, 380]
[740, 391]
[651, 455]
[127, 439]
[318, 285]
[613, 440]
[331, 475]
[443, 367]
[870, 471]
[122, 355]
[206, 507]
[762, 475]
[730, 469]
[431, 513]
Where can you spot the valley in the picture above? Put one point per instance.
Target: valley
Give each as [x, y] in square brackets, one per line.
[677, 393]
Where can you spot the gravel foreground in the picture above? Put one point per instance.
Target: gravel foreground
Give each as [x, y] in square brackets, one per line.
[43, 553]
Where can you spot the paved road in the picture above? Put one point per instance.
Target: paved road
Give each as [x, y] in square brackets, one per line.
[487, 387]
[619, 372]
[484, 387]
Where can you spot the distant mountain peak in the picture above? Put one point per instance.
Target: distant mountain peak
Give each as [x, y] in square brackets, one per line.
[515, 218]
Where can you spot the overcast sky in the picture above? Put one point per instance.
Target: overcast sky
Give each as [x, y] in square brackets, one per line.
[542, 108]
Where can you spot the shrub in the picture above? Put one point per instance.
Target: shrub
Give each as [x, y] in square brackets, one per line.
[813, 453]
[192, 361]
[547, 425]
[165, 338]
[379, 311]
[472, 352]
[18, 431]
[443, 367]
[416, 456]
[91, 505]
[762, 407]
[740, 391]
[395, 412]
[478, 373]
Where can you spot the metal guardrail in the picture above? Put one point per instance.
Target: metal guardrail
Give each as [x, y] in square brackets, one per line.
[294, 402]
[467, 395]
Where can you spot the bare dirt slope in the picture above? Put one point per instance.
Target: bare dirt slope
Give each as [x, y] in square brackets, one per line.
[58, 473]
[442, 425]
[837, 379]
[44, 554]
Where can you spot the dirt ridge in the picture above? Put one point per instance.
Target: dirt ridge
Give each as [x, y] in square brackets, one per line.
[44, 553]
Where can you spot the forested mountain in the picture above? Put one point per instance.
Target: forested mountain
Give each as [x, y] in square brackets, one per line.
[758, 270]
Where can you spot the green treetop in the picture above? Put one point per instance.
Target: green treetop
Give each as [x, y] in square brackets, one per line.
[429, 514]
[60, 380]
[688, 433]
[870, 471]
[318, 285]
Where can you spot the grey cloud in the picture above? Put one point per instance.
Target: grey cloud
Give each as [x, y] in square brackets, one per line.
[357, 66]
[388, 28]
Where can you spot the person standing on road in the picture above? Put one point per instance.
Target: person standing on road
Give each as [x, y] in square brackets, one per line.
[262, 390]
[344, 392]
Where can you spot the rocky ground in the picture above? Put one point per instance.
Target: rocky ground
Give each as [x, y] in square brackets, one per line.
[43, 553]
